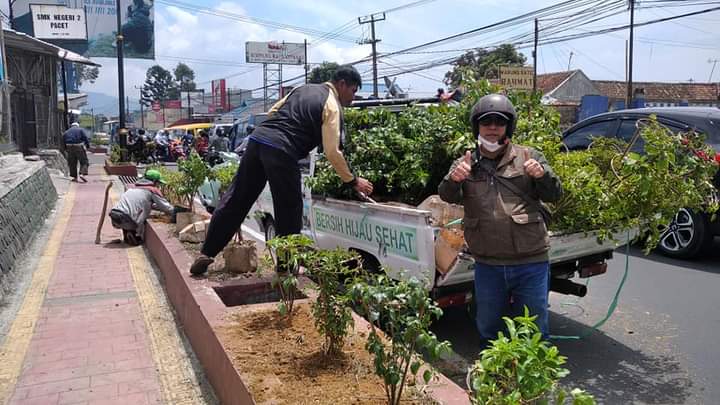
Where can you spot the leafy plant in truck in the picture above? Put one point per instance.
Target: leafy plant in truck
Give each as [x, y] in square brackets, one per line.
[332, 308]
[521, 368]
[405, 311]
[288, 253]
[606, 189]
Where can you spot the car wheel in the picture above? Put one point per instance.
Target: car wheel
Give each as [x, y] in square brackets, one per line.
[269, 229]
[686, 236]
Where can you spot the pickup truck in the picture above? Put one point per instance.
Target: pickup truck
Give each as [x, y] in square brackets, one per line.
[402, 240]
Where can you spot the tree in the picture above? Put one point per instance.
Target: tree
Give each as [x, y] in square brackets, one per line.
[159, 85]
[484, 63]
[323, 73]
[184, 76]
[85, 73]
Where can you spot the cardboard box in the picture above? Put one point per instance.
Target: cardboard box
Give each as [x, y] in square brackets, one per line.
[442, 212]
[448, 244]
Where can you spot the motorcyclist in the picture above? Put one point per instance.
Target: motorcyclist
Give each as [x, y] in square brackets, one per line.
[218, 141]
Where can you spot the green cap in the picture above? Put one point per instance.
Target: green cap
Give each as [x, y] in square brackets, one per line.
[154, 175]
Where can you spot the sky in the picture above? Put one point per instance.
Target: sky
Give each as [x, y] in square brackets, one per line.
[213, 46]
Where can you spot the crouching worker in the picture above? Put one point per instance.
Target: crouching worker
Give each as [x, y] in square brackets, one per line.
[134, 207]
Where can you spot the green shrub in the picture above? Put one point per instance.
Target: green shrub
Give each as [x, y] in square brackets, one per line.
[521, 369]
[405, 311]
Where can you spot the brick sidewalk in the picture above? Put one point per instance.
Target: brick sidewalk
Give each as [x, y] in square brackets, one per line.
[90, 343]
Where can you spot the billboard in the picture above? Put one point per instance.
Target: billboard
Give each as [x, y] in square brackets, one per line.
[516, 77]
[137, 26]
[58, 22]
[275, 52]
[219, 98]
[192, 99]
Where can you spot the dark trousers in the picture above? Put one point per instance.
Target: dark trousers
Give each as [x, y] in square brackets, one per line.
[260, 164]
[76, 154]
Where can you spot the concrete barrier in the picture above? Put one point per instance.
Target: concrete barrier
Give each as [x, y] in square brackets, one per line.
[27, 196]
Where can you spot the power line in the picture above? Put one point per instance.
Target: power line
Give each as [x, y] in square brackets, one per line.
[408, 5]
[251, 20]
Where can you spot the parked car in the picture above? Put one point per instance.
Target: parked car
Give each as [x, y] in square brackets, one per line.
[690, 233]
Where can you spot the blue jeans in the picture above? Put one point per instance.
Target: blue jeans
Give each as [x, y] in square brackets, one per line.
[527, 284]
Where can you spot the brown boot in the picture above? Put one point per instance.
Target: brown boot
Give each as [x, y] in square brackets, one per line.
[200, 265]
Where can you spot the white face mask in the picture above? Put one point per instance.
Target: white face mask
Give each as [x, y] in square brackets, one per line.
[489, 146]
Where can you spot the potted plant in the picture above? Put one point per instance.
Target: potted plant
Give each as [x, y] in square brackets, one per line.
[117, 163]
[193, 173]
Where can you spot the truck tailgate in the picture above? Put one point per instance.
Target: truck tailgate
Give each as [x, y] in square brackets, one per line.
[563, 248]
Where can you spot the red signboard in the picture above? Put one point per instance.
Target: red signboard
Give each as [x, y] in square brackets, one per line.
[219, 96]
[173, 104]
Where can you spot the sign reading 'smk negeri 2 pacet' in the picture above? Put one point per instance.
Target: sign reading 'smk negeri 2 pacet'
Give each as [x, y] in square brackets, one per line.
[397, 239]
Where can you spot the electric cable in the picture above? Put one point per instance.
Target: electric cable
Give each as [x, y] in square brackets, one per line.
[613, 303]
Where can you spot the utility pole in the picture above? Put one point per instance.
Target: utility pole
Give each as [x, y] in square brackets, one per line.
[11, 16]
[306, 62]
[92, 113]
[121, 77]
[371, 19]
[142, 114]
[65, 97]
[714, 62]
[628, 96]
[570, 60]
[188, 100]
[534, 55]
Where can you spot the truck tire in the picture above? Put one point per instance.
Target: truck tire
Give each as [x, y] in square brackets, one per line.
[687, 236]
[269, 226]
[369, 262]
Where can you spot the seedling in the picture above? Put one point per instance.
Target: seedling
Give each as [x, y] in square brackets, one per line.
[331, 310]
[521, 368]
[287, 253]
[405, 311]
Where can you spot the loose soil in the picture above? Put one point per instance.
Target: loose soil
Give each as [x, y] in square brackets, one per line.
[281, 362]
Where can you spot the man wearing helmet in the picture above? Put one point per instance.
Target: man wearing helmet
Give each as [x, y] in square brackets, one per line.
[500, 185]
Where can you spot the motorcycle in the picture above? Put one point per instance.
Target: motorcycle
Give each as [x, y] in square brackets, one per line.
[176, 150]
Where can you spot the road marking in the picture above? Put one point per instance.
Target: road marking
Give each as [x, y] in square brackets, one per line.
[17, 341]
[174, 371]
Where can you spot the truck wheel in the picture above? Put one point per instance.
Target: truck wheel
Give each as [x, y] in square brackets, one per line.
[687, 235]
[369, 263]
[269, 229]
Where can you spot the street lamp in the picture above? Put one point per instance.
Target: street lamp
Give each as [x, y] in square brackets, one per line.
[121, 78]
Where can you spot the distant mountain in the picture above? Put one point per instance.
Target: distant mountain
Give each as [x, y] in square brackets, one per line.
[102, 103]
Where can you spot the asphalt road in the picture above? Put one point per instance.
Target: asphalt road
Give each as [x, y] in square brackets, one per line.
[659, 346]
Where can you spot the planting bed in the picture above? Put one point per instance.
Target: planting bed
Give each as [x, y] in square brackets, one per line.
[127, 169]
[253, 356]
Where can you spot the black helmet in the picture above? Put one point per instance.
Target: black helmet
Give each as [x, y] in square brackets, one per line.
[494, 104]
